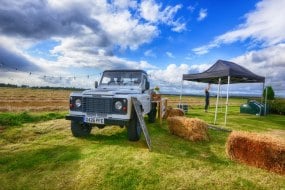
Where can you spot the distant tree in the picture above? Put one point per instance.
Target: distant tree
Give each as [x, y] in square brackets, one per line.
[270, 93]
[25, 86]
[8, 85]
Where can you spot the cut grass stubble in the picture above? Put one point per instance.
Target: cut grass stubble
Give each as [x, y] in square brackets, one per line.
[45, 155]
[37, 151]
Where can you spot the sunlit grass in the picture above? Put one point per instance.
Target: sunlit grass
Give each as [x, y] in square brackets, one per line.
[44, 155]
[16, 119]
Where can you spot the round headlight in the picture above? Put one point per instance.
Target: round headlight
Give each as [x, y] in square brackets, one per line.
[77, 103]
[118, 105]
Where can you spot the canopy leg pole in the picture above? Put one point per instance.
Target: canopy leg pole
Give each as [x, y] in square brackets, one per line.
[221, 100]
[227, 101]
[180, 98]
[265, 108]
[262, 97]
[217, 101]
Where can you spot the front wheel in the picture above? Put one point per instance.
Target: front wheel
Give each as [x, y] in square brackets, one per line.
[80, 129]
[134, 129]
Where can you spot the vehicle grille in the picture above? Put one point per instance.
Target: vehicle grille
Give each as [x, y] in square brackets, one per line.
[97, 105]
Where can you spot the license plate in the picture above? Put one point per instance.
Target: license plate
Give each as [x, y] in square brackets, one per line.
[96, 120]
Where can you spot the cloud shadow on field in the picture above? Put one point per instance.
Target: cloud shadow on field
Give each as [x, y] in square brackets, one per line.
[37, 158]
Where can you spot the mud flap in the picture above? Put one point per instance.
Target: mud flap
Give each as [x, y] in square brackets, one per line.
[136, 104]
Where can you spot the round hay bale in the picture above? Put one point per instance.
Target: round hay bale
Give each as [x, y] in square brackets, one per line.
[188, 128]
[171, 112]
[257, 150]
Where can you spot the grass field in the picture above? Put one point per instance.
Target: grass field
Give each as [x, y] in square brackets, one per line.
[39, 152]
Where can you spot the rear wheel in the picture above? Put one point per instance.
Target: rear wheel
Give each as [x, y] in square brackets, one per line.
[134, 129]
[80, 129]
[152, 113]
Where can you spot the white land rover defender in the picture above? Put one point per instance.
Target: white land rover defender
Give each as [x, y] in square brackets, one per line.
[110, 103]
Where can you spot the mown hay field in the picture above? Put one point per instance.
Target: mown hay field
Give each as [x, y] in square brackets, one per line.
[42, 154]
[26, 99]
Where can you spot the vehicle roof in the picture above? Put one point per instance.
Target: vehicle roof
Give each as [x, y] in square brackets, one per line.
[126, 70]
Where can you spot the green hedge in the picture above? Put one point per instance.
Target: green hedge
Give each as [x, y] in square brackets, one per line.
[277, 106]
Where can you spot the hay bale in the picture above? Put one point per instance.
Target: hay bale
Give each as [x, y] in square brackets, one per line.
[257, 150]
[188, 128]
[171, 112]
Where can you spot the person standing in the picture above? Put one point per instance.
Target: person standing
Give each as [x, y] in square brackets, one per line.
[207, 97]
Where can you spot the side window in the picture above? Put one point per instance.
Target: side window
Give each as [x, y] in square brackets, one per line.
[144, 82]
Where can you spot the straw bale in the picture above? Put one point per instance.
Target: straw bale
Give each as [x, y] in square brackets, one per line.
[171, 112]
[259, 150]
[192, 129]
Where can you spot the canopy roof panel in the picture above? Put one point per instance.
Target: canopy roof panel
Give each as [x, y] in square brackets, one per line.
[222, 69]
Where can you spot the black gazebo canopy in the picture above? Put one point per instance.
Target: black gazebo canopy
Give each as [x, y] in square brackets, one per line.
[222, 69]
[225, 72]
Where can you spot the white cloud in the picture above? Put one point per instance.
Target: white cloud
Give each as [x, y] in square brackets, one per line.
[155, 14]
[167, 15]
[268, 62]
[202, 14]
[169, 54]
[149, 53]
[191, 8]
[92, 30]
[123, 4]
[150, 10]
[100, 24]
[264, 25]
[170, 79]
[122, 28]
[145, 65]
[172, 74]
[199, 68]
[178, 26]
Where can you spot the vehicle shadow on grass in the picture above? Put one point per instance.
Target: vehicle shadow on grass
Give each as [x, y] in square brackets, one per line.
[114, 135]
[109, 134]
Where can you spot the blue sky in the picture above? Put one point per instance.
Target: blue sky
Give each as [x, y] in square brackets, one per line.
[70, 42]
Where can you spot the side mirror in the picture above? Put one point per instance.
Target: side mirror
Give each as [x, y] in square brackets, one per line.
[146, 85]
[96, 84]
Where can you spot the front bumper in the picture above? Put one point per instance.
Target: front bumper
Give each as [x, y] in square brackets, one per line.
[107, 121]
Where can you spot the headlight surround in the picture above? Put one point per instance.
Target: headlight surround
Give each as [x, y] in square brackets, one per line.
[118, 105]
[78, 103]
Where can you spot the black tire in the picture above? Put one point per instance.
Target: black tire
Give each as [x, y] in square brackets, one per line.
[134, 129]
[100, 126]
[80, 129]
[152, 113]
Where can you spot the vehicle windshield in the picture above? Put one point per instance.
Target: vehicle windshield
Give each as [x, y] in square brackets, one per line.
[122, 78]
